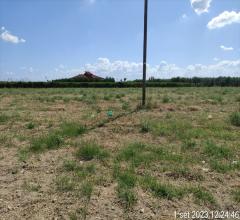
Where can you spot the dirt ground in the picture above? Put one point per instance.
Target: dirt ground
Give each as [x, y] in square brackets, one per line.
[197, 167]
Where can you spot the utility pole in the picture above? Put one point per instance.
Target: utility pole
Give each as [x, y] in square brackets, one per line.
[144, 52]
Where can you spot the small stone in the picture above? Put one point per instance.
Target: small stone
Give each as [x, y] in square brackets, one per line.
[22, 171]
[142, 210]
[203, 161]
[205, 169]
[9, 207]
[234, 162]
[210, 117]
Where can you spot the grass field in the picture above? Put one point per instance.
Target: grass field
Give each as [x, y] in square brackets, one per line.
[64, 153]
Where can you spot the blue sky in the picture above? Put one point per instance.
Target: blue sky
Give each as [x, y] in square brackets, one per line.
[51, 39]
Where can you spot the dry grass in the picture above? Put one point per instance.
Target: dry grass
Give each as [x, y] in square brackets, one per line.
[181, 151]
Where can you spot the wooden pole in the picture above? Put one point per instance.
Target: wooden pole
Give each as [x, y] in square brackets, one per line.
[144, 52]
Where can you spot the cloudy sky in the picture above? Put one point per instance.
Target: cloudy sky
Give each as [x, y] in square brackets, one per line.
[49, 39]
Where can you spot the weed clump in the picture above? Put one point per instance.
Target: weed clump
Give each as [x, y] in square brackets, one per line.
[235, 119]
[91, 150]
[3, 118]
[162, 190]
[202, 196]
[166, 99]
[127, 196]
[236, 195]
[46, 142]
[30, 125]
[213, 150]
[145, 126]
[72, 129]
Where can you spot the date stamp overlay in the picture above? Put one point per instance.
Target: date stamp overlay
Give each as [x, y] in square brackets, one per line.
[204, 214]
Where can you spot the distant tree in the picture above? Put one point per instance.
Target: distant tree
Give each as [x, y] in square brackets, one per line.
[109, 79]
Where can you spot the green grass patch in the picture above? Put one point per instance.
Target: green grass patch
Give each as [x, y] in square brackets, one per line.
[125, 106]
[80, 171]
[212, 150]
[3, 118]
[166, 99]
[46, 142]
[141, 154]
[162, 190]
[23, 154]
[91, 150]
[86, 190]
[126, 178]
[223, 166]
[202, 196]
[188, 145]
[236, 195]
[30, 125]
[235, 119]
[72, 129]
[145, 126]
[127, 196]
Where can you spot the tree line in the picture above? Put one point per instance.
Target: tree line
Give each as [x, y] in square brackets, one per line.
[152, 82]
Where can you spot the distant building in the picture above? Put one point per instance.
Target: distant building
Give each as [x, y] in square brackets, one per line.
[87, 76]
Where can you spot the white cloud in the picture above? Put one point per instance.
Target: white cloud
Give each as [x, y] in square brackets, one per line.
[225, 18]
[226, 48]
[200, 6]
[7, 36]
[216, 59]
[132, 70]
